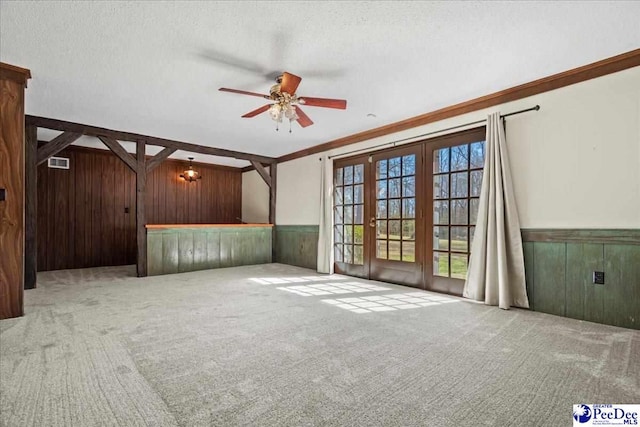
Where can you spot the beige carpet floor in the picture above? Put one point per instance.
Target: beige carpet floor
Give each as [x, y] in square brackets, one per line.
[276, 345]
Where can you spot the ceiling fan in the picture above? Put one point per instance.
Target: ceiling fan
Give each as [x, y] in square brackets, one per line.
[287, 102]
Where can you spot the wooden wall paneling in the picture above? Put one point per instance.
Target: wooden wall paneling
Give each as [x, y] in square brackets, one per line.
[528, 272]
[103, 186]
[181, 198]
[171, 190]
[185, 251]
[581, 293]
[31, 207]
[154, 254]
[170, 251]
[71, 212]
[593, 294]
[226, 249]
[622, 285]
[199, 251]
[213, 250]
[549, 273]
[12, 152]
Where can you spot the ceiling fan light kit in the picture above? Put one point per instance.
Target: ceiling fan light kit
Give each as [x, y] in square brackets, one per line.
[286, 101]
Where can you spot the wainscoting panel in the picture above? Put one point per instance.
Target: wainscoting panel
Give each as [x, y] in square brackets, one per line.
[559, 272]
[297, 245]
[180, 250]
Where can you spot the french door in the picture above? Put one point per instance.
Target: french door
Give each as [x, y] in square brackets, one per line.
[406, 215]
[394, 248]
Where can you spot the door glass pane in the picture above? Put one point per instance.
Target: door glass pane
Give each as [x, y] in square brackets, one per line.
[348, 214]
[460, 157]
[339, 176]
[459, 266]
[409, 165]
[348, 254]
[348, 234]
[338, 234]
[358, 234]
[408, 186]
[473, 214]
[394, 167]
[441, 238]
[348, 175]
[358, 174]
[394, 187]
[441, 264]
[338, 218]
[459, 239]
[476, 183]
[382, 189]
[441, 212]
[381, 169]
[358, 214]
[338, 196]
[441, 186]
[381, 210]
[358, 194]
[409, 251]
[394, 208]
[358, 255]
[477, 155]
[381, 229]
[441, 160]
[348, 195]
[394, 229]
[394, 250]
[408, 208]
[471, 232]
[459, 184]
[338, 253]
[408, 230]
[381, 249]
[459, 211]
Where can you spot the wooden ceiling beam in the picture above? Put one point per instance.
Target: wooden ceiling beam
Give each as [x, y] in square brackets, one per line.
[159, 158]
[119, 151]
[262, 172]
[56, 145]
[61, 125]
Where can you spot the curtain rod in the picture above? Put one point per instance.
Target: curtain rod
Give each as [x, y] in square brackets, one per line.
[536, 108]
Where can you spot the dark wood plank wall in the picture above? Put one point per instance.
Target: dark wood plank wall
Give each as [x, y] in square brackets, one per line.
[81, 211]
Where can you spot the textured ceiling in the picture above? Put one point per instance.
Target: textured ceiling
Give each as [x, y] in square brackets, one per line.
[154, 68]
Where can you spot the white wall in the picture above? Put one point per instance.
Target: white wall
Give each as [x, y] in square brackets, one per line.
[575, 163]
[255, 198]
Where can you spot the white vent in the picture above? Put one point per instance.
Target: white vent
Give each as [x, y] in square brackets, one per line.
[59, 162]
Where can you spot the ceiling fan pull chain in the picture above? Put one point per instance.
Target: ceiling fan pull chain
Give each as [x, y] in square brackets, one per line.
[289, 125]
[277, 129]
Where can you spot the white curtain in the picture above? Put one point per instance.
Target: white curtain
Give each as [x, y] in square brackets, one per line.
[325, 237]
[496, 268]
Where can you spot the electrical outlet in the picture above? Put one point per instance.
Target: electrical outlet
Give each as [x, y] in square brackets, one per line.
[598, 277]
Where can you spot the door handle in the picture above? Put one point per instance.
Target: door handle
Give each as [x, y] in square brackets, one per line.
[372, 222]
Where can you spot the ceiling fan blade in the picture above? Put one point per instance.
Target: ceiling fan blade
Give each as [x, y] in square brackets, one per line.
[340, 104]
[289, 83]
[256, 112]
[303, 119]
[243, 92]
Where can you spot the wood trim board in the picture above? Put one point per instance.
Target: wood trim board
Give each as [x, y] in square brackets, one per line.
[556, 81]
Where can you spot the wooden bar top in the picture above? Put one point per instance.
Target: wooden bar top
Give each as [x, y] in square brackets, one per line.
[165, 226]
